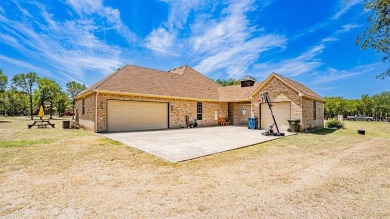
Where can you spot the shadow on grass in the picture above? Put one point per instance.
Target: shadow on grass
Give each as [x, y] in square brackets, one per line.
[324, 131]
[5, 121]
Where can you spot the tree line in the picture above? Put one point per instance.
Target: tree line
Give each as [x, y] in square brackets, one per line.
[228, 82]
[26, 92]
[377, 106]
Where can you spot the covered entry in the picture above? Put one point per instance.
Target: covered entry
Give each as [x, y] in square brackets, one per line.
[133, 115]
[282, 112]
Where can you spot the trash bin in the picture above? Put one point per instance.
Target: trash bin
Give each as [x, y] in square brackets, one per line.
[294, 124]
[252, 123]
[66, 124]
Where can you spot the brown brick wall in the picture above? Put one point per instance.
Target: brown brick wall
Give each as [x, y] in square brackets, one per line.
[236, 115]
[308, 123]
[301, 108]
[87, 120]
[178, 109]
[280, 92]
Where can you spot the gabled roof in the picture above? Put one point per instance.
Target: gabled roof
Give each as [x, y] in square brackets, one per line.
[183, 82]
[236, 92]
[298, 87]
[248, 78]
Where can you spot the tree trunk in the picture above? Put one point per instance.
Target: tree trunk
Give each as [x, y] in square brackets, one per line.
[31, 108]
[73, 108]
[51, 109]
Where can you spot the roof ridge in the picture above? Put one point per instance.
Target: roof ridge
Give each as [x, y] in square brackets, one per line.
[288, 80]
[188, 67]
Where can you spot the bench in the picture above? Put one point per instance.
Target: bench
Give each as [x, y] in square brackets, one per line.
[222, 121]
[41, 124]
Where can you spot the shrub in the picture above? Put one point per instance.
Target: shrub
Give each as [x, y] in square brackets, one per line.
[333, 123]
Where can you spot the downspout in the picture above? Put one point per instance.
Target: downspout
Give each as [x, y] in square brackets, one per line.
[96, 111]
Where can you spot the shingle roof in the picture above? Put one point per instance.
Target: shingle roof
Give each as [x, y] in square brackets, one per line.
[236, 92]
[300, 87]
[248, 78]
[182, 82]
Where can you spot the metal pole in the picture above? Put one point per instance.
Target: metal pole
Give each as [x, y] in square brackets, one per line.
[272, 113]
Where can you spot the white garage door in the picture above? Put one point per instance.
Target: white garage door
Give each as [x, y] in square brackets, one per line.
[132, 115]
[282, 112]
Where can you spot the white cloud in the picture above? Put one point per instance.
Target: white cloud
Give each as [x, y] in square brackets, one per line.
[329, 39]
[302, 64]
[179, 11]
[332, 74]
[69, 48]
[236, 59]
[26, 65]
[231, 44]
[161, 41]
[346, 28]
[86, 8]
[344, 7]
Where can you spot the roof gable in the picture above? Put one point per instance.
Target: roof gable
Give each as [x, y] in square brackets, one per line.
[298, 87]
[248, 78]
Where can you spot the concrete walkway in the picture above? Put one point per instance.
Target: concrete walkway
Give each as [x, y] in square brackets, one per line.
[184, 144]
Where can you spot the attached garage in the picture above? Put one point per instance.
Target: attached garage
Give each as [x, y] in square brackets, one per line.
[282, 112]
[132, 115]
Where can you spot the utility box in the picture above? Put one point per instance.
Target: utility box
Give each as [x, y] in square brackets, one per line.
[67, 124]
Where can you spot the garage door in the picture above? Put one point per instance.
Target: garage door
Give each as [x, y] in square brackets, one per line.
[282, 112]
[132, 115]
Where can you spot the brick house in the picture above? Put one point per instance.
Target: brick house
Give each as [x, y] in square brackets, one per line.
[138, 98]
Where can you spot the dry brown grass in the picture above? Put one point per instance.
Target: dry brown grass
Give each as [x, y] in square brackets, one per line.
[73, 173]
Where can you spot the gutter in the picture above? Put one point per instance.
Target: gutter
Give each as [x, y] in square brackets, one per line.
[156, 96]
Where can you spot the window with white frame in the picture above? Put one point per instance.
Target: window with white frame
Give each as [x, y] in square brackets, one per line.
[199, 111]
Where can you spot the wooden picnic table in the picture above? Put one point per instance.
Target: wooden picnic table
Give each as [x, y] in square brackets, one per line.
[41, 124]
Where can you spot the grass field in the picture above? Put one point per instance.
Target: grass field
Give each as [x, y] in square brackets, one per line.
[48, 173]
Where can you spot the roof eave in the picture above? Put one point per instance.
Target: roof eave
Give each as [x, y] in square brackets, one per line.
[146, 95]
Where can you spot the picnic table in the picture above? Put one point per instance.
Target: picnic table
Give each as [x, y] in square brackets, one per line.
[41, 124]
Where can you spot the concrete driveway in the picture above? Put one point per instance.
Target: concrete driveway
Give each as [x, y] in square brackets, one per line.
[184, 144]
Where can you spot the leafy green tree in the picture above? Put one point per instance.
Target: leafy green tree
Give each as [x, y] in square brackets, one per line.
[377, 34]
[366, 105]
[73, 89]
[334, 106]
[228, 82]
[62, 101]
[47, 92]
[381, 105]
[15, 102]
[351, 107]
[3, 81]
[3, 87]
[26, 83]
[377, 106]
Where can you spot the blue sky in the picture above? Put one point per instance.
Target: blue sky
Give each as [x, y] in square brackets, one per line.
[310, 41]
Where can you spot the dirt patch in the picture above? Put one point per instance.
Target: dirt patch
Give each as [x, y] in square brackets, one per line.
[80, 174]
